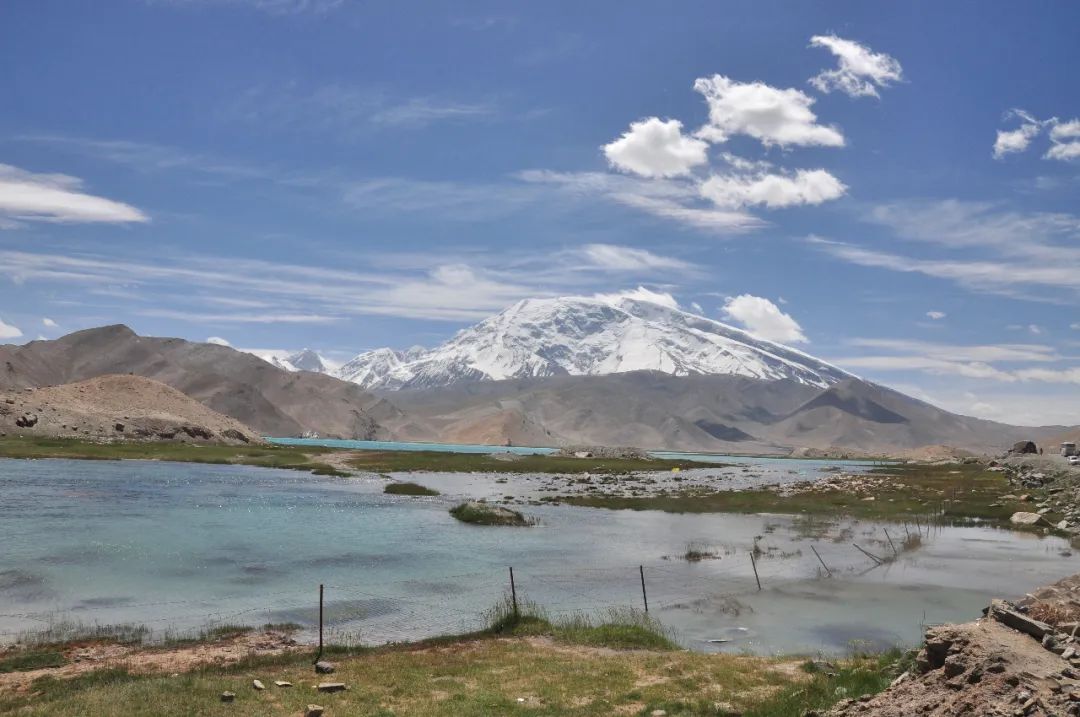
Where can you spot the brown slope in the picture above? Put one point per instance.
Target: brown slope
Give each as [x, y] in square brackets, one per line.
[237, 384]
[117, 408]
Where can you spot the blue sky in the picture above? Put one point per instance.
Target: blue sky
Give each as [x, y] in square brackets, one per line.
[889, 187]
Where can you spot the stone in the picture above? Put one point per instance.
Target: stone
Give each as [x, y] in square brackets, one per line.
[1063, 525]
[314, 711]
[27, 420]
[228, 696]
[1003, 613]
[282, 683]
[332, 687]
[324, 668]
[1024, 518]
[257, 684]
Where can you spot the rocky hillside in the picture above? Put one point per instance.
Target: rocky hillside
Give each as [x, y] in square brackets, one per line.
[117, 408]
[270, 400]
[700, 413]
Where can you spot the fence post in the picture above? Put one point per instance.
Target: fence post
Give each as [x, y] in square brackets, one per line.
[644, 595]
[821, 561]
[319, 656]
[753, 563]
[513, 591]
[891, 544]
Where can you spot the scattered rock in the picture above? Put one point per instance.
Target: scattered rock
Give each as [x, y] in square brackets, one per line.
[257, 684]
[228, 696]
[314, 711]
[282, 683]
[1023, 518]
[332, 687]
[324, 668]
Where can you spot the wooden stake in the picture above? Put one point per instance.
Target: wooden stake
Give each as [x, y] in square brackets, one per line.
[821, 561]
[894, 551]
[644, 596]
[873, 557]
[754, 564]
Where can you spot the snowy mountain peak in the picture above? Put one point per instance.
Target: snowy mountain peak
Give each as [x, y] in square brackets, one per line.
[302, 360]
[588, 336]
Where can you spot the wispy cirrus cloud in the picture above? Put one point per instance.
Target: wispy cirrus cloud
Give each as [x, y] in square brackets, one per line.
[273, 7]
[1002, 363]
[57, 198]
[226, 291]
[982, 246]
[348, 111]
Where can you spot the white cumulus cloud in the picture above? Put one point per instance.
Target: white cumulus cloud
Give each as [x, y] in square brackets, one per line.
[769, 114]
[57, 198]
[7, 331]
[1017, 140]
[49, 323]
[805, 186]
[859, 71]
[764, 318]
[656, 148]
[1065, 141]
[217, 340]
[936, 315]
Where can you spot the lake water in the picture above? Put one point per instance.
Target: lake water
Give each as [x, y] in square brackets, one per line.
[177, 546]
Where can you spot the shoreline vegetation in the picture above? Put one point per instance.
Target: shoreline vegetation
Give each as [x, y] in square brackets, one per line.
[619, 662]
[338, 462]
[955, 493]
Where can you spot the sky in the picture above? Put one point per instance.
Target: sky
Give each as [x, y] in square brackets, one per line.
[889, 187]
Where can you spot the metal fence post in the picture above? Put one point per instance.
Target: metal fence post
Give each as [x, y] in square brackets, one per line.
[754, 564]
[644, 596]
[513, 591]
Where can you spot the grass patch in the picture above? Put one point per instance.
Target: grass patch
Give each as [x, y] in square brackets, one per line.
[404, 461]
[408, 489]
[20, 660]
[616, 628]
[951, 494]
[696, 552]
[266, 456]
[484, 514]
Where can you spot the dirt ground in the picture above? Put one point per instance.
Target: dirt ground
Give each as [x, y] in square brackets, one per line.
[143, 659]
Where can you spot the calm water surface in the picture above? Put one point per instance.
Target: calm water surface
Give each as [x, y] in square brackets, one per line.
[176, 546]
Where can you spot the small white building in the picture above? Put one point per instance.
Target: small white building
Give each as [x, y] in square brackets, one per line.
[1069, 449]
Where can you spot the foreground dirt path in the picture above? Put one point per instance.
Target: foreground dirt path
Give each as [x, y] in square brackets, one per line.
[142, 659]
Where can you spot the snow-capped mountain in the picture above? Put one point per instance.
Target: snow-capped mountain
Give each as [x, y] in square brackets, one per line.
[302, 360]
[588, 336]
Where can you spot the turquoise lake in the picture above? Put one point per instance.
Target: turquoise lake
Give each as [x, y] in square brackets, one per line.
[180, 546]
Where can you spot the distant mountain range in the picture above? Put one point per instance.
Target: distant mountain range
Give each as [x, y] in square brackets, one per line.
[577, 336]
[543, 372]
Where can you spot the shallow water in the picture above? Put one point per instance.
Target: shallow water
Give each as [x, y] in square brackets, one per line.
[176, 546]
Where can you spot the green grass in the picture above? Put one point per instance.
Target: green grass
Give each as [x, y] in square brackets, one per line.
[404, 461]
[30, 659]
[480, 514]
[408, 489]
[267, 456]
[954, 494]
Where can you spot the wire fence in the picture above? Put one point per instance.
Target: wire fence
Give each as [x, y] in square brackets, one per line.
[352, 611]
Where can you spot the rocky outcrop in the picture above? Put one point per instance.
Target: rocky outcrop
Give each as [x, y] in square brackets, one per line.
[1019, 660]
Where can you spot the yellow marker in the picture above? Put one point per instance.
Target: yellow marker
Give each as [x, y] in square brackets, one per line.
[675, 469]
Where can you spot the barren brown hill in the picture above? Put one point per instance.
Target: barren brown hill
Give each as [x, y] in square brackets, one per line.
[268, 399]
[117, 408]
